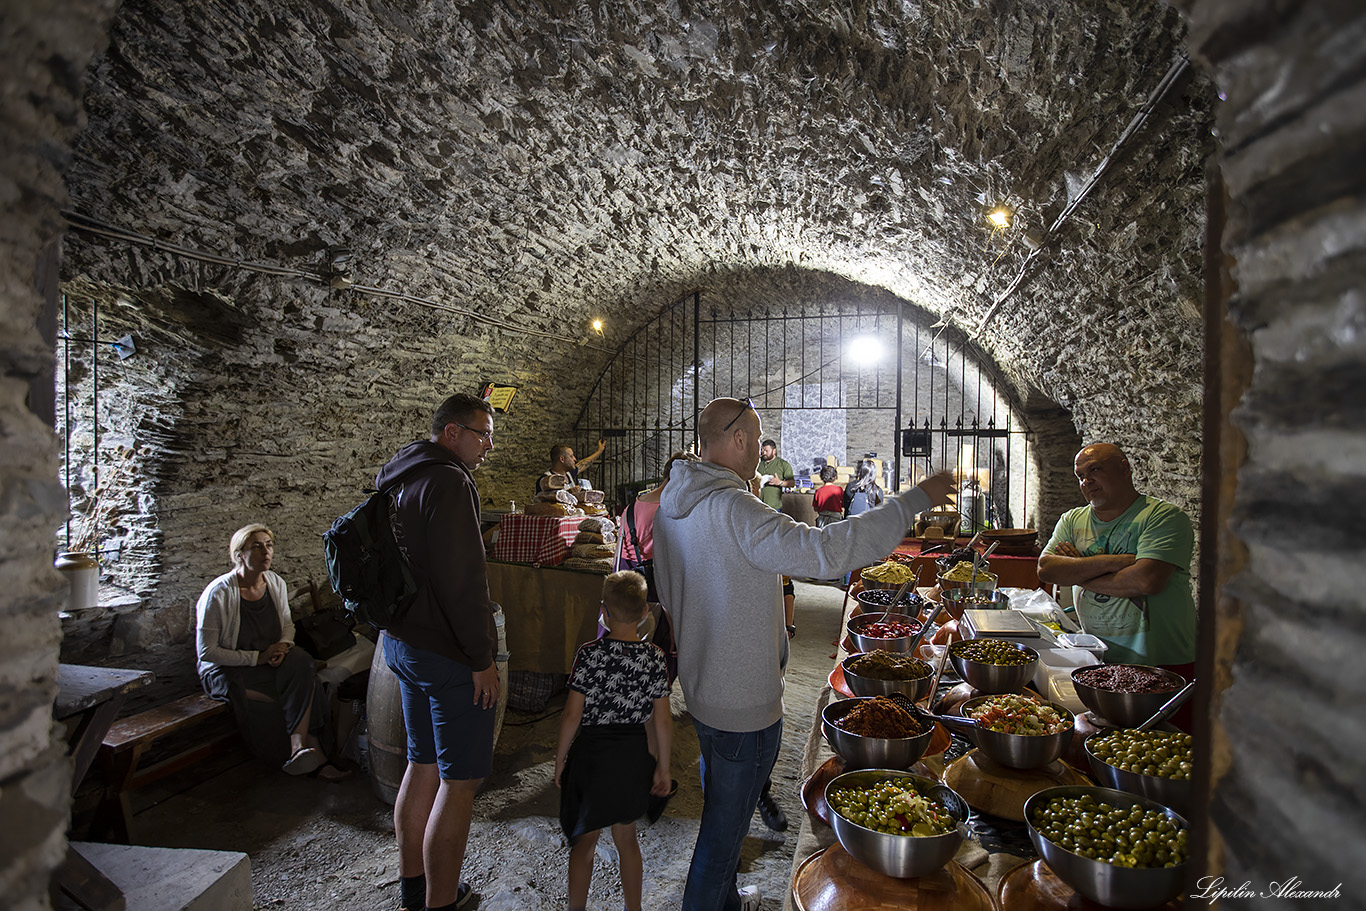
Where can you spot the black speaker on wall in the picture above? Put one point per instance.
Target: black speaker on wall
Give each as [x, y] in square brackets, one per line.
[915, 443]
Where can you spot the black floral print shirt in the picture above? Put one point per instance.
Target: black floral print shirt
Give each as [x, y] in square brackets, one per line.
[619, 680]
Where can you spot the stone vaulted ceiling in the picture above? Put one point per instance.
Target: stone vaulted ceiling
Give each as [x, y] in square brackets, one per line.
[543, 162]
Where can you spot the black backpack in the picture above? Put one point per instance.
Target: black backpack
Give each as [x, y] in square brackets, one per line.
[365, 566]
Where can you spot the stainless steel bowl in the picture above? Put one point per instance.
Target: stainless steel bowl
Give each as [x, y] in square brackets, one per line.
[871, 643]
[1177, 793]
[1115, 887]
[909, 602]
[901, 856]
[1128, 710]
[860, 685]
[860, 752]
[957, 600]
[985, 581]
[1019, 751]
[993, 679]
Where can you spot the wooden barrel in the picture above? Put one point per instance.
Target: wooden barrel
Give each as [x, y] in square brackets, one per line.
[384, 728]
[384, 717]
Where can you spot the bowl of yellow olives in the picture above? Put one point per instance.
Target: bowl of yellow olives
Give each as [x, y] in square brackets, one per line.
[1156, 764]
[889, 821]
[1118, 849]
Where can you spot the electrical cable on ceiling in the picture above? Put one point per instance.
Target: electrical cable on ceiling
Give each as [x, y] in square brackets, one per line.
[1169, 79]
[93, 226]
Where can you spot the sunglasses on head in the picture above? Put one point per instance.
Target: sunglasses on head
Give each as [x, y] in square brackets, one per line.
[749, 406]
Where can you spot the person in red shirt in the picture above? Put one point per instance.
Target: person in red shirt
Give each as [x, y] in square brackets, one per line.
[829, 498]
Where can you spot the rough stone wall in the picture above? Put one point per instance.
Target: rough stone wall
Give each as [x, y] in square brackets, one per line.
[1287, 801]
[45, 53]
[528, 166]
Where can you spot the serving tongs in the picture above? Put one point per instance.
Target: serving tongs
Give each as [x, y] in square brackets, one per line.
[1169, 707]
[981, 561]
[915, 578]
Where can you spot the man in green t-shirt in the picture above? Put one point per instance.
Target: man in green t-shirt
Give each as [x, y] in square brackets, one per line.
[774, 474]
[1127, 557]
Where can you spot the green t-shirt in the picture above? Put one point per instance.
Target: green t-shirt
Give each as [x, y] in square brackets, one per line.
[1158, 629]
[780, 468]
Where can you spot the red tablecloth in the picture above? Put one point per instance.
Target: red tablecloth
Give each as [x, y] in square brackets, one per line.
[535, 539]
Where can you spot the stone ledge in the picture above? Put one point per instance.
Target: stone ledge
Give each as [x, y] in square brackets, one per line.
[174, 879]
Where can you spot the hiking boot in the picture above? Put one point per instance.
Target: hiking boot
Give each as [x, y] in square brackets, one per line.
[772, 814]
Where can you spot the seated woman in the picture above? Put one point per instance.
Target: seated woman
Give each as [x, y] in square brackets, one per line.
[244, 639]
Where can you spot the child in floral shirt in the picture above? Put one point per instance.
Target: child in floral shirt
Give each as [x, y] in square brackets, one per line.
[603, 765]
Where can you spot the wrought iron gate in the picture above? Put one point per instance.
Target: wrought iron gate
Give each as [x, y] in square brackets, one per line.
[928, 404]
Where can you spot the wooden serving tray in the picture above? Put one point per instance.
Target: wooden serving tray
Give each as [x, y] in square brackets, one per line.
[831, 880]
[1002, 791]
[1032, 886]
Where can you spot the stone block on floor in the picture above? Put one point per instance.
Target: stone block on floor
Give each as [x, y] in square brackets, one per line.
[174, 879]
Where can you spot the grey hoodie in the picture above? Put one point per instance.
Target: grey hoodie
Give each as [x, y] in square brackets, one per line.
[719, 552]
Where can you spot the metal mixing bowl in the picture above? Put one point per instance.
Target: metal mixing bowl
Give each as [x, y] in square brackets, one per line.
[1177, 793]
[859, 685]
[871, 643]
[909, 602]
[996, 678]
[1127, 710]
[985, 581]
[1115, 887]
[901, 856]
[1019, 751]
[957, 600]
[860, 752]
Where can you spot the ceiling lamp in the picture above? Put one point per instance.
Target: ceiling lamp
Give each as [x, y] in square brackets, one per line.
[865, 350]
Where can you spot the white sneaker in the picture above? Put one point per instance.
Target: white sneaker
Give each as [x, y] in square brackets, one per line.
[749, 898]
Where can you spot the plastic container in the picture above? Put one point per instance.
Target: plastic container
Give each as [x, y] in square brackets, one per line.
[1085, 641]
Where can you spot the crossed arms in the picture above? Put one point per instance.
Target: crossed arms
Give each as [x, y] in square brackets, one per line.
[1117, 575]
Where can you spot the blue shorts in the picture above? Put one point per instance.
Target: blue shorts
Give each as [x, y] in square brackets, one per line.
[443, 724]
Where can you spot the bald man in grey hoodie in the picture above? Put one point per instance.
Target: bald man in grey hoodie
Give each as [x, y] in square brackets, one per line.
[719, 557]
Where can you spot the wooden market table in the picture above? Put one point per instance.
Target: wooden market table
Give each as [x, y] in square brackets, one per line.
[550, 612]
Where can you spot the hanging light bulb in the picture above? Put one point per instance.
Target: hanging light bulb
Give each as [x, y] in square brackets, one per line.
[597, 326]
[999, 217]
[865, 350]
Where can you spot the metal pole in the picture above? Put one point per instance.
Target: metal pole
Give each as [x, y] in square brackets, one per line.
[696, 364]
[896, 425]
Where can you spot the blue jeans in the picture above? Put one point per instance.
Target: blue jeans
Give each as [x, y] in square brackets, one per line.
[734, 769]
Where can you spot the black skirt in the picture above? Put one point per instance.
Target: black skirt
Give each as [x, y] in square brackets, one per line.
[606, 780]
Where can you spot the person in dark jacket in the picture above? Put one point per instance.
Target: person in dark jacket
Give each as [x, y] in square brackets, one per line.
[442, 650]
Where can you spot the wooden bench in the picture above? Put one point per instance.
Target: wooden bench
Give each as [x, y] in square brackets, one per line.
[130, 738]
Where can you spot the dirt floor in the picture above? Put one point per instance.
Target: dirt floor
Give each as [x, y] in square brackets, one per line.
[315, 845]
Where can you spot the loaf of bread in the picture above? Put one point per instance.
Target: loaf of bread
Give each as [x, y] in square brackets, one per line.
[594, 551]
[592, 537]
[556, 496]
[603, 526]
[593, 566]
[544, 508]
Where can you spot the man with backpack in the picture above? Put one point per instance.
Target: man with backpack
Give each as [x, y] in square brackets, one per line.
[441, 649]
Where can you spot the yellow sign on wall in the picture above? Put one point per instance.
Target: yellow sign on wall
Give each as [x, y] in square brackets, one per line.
[499, 396]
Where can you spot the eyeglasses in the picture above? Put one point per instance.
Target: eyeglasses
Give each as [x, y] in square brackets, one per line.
[485, 435]
[749, 406]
